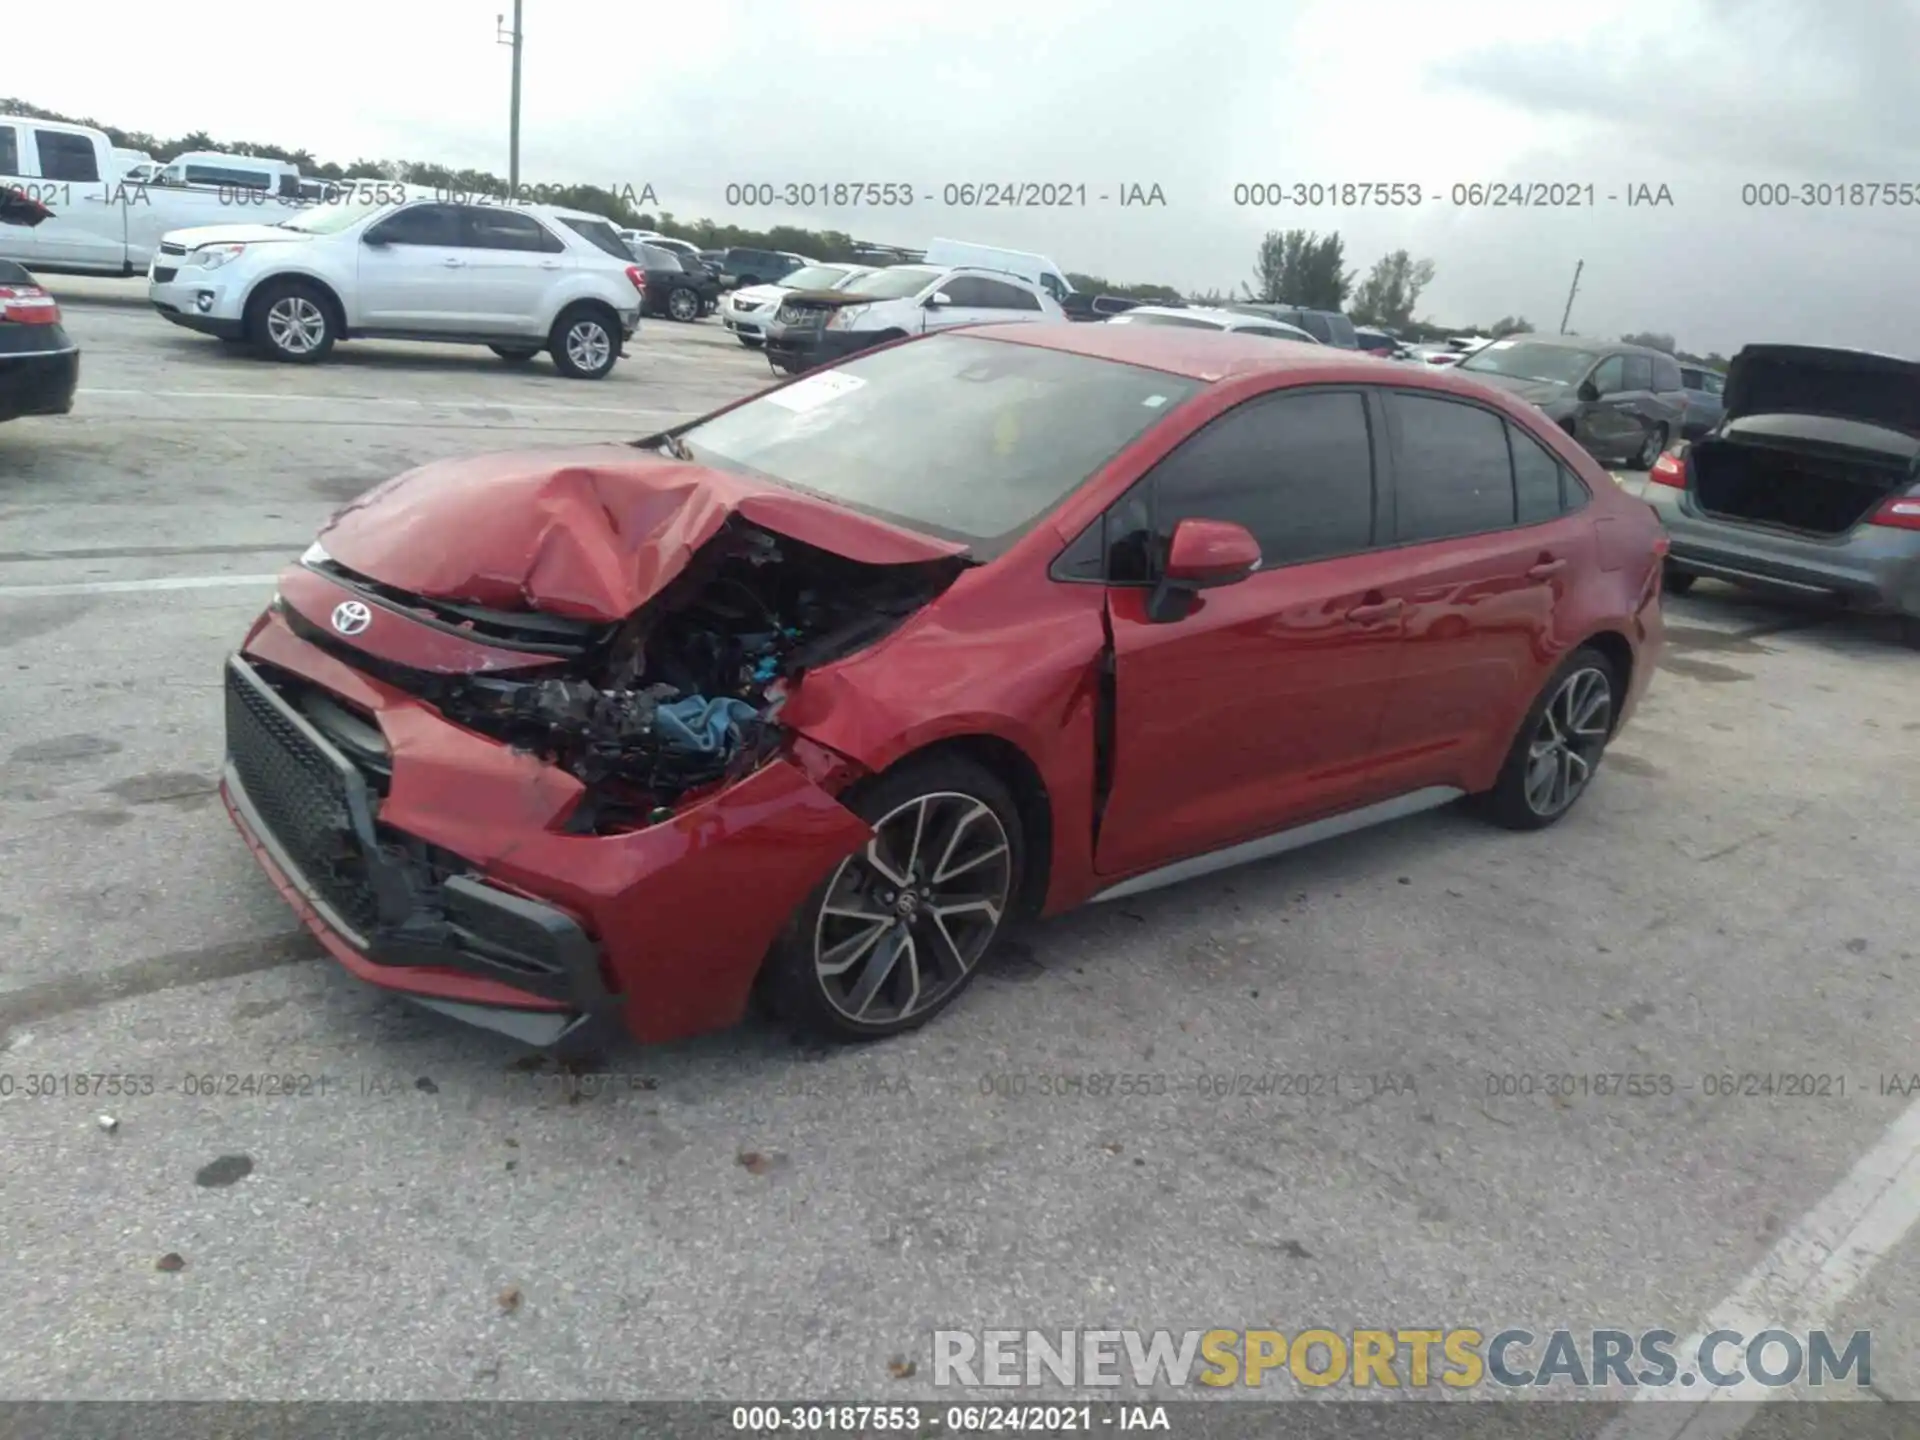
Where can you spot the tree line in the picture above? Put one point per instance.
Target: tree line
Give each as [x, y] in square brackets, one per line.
[1291, 267]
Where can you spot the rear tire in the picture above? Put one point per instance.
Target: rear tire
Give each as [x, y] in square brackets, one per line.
[585, 342]
[516, 354]
[905, 922]
[1677, 582]
[1559, 747]
[1650, 451]
[291, 321]
[683, 304]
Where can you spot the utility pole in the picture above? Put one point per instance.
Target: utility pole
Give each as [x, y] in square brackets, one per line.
[1565, 314]
[514, 38]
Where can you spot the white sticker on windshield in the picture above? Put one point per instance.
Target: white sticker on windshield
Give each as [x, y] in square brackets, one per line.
[1500, 344]
[816, 390]
[1154, 402]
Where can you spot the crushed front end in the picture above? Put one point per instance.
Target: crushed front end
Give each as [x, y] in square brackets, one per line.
[560, 827]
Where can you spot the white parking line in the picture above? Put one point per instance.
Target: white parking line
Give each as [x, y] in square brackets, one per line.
[452, 403]
[1800, 1284]
[133, 587]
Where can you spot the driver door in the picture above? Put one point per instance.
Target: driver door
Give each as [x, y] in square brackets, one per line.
[1608, 427]
[415, 268]
[1262, 706]
[969, 303]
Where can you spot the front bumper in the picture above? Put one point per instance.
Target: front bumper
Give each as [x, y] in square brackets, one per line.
[750, 323]
[1874, 568]
[207, 301]
[465, 887]
[802, 347]
[41, 380]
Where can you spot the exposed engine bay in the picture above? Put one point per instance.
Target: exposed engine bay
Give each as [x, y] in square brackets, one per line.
[681, 694]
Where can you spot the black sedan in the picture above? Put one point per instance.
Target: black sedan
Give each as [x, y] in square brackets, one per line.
[39, 363]
[679, 291]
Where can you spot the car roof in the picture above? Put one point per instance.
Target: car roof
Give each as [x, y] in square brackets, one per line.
[1211, 355]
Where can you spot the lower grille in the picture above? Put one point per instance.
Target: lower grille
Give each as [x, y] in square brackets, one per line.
[311, 801]
[164, 273]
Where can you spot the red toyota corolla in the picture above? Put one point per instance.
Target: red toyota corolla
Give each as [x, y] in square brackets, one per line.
[817, 694]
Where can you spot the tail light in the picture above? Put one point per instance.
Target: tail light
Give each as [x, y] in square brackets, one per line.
[1670, 470]
[639, 279]
[1902, 512]
[27, 305]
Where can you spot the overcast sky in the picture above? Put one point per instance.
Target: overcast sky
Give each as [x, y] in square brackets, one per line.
[1701, 96]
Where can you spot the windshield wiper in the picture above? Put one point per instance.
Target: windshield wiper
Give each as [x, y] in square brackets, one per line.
[665, 440]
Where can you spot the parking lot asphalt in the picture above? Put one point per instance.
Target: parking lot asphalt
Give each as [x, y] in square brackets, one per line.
[747, 1216]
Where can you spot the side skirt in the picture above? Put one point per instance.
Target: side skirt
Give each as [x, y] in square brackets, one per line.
[1401, 806]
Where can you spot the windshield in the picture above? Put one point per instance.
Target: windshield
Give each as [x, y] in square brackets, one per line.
[1189, 322]
[896, 282]
[816, 277]
[965, 437]
[325, 219]
[1523, 360]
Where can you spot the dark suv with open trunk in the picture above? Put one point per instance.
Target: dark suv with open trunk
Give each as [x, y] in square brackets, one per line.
[1810, 482]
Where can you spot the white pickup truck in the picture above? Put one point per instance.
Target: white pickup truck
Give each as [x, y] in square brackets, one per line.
[104, 223]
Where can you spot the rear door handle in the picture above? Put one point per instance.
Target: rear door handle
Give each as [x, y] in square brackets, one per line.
[1546, 568]
[1375, 610]
[549, 264]
[453, 260]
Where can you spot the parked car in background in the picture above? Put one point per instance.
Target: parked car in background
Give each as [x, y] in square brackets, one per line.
[1624, 403]
[1705, 406]
[39, 362]
[517, 279]
[1376, 342]
[687, 253]
[679, 291]
[1037, 270]
[742, 265]
[1202, 317]
[817, 327]
[1809, 483]
[980, 627]
[218, 170]
[747, 312]
[1329, 327]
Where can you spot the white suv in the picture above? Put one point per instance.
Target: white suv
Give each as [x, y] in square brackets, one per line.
[819, 327]
[517, 278]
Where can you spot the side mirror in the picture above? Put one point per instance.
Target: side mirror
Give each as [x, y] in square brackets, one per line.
[938, 299]
[1203, 555]
[1589, 391]
[374, 237]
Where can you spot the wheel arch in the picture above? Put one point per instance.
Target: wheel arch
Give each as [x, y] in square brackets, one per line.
[1619, 653]
[1015, 768]
[329, 293]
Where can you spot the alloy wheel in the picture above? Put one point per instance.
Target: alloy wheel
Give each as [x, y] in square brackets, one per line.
[683, 305]
[1656, 441]
[1566, 744]
[907, 918]
[296, 325]
[589, 345]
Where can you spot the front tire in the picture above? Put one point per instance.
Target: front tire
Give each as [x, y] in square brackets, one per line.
[291, 321]
[585, 342]
[1676, 582]
[1559, 746]
[901, 926]
[752, 342]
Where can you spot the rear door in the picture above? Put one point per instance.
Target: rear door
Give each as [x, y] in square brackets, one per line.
[1489, 530]
[513, 265]
[84, 229]
[1262, 706]
[418, 277]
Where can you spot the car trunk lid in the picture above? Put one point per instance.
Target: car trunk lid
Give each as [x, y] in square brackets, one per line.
[1856, 385]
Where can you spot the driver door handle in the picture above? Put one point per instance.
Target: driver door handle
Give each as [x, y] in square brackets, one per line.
[1546, 567]
[453, 261]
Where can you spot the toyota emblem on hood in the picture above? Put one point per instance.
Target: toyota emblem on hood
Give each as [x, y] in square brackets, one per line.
[350, 617]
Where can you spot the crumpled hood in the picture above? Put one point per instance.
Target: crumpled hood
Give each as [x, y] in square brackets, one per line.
[592, 531]
[239, 234]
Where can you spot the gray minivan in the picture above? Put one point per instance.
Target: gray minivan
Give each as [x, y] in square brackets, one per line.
[1329, 327]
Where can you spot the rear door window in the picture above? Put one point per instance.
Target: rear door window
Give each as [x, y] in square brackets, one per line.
[490, 227]
[1453, 470]
[66, 157]
[1540, 492]
[1339, 331]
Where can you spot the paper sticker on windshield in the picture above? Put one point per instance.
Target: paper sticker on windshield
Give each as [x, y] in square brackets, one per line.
[1154, 402]
[1500, 344]
[816, 390]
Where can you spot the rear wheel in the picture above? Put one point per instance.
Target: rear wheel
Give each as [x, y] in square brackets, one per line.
[291, 321]
[1650, 451]
[683, 304]
[900, 927]
[1677, 582]
[585, 342]
[1559, 745]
